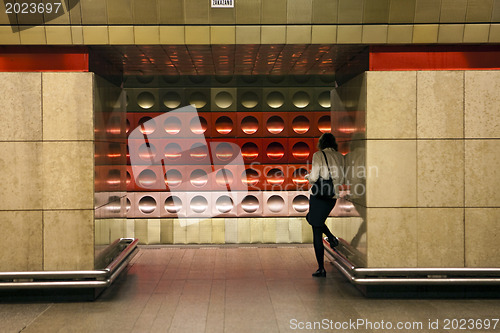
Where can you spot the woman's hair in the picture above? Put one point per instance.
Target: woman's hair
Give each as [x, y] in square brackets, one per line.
[327, 140]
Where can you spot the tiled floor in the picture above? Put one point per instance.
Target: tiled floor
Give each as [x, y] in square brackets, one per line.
[234, 289]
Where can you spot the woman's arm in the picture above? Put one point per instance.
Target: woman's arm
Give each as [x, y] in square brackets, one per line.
[316, 164]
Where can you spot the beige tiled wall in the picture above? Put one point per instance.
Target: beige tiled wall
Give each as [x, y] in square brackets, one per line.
[47, 160]
[344, 21]
[434, 139]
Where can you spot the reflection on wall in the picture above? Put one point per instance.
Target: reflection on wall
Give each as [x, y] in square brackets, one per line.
[349, 119]
[110, 170]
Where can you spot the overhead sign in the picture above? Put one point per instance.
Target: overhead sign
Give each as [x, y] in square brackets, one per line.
[222, 3]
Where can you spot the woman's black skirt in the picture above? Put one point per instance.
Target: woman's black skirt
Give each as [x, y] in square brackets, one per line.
[319, 209]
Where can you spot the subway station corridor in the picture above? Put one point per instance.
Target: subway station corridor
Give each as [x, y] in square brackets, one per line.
[259, 288]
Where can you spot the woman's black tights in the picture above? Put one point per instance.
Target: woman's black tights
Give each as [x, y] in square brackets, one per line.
[319, 249]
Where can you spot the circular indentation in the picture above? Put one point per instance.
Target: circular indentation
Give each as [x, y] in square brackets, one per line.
[114, 150]
[147, 152]
[249, 125]
[173, 178]
[348, 125]
[275, 203]
[275, 125]
[198, 125]
[250, 177]
[249, 99]
[249, 78]
[301, 78]
[300, 125]
[301, 151]
[198, 151]
[300, 203]
[224, 99]
[173, 151]
[299, 177]
[128, 205]
[276, 78]
[173, 204]
[198, 178]
[324, 124]
[198, 204]
[250, 204]
[147, 204]
[224, 151]
[146, 100]
[327, 78]
[114, 177]
[197, 78]
[275, 177]
[114, 205]
[224, 204]
[224, 125]
[223, 78]
[171, 78]
[172, 125]
[114, 126]
[145, 78]
[249, 151]
[275, 99]
[147, 125]
[301, 99]
[171, 100]
[324, 99]
[147, 178]
[129, 178]
[198, 99]
[275, 151]
[224, 177]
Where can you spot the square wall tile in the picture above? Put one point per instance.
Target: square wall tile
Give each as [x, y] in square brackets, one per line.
[21, 175]
[298, 34]
[9, 37]
[218, 231]
[324, 34]
[482, 102]
[425, 33]
[440, 104]
[374, 34]
[349, 34]
[68, 111]
[391, 173]
[60, 35]
[22, 237]
[167, 231]
[121, 35]
[273, 34]
[392, 237]
[453, 10]
[197, 34]
[68, 175]
[400, 34]
[482, 165]
[222, 34]
[440, 237]
[147, 35]
[482, 230]
[173, 35]
[450, 33]
[247, 35]
[494, 33]
[476, 33]
[391, 105]
[20, 98]
[324, 11]
[299, 11]
[440, 165]
[68, 240]
[97, 35]
[248, 12]
[33, 35]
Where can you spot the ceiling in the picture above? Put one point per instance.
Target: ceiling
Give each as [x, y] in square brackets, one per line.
[283, 59]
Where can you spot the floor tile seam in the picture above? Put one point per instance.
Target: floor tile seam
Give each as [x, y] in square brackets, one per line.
[36, 317]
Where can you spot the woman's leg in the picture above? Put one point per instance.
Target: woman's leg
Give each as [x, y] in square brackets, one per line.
[319, 249]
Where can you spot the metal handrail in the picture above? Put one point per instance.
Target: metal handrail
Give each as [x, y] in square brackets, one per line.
[100, 278]
[412, 276]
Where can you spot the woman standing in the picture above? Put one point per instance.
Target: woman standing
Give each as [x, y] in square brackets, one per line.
[319, 206]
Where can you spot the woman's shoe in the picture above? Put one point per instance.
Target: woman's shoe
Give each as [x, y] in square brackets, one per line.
[319, 273]
[334, 242]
